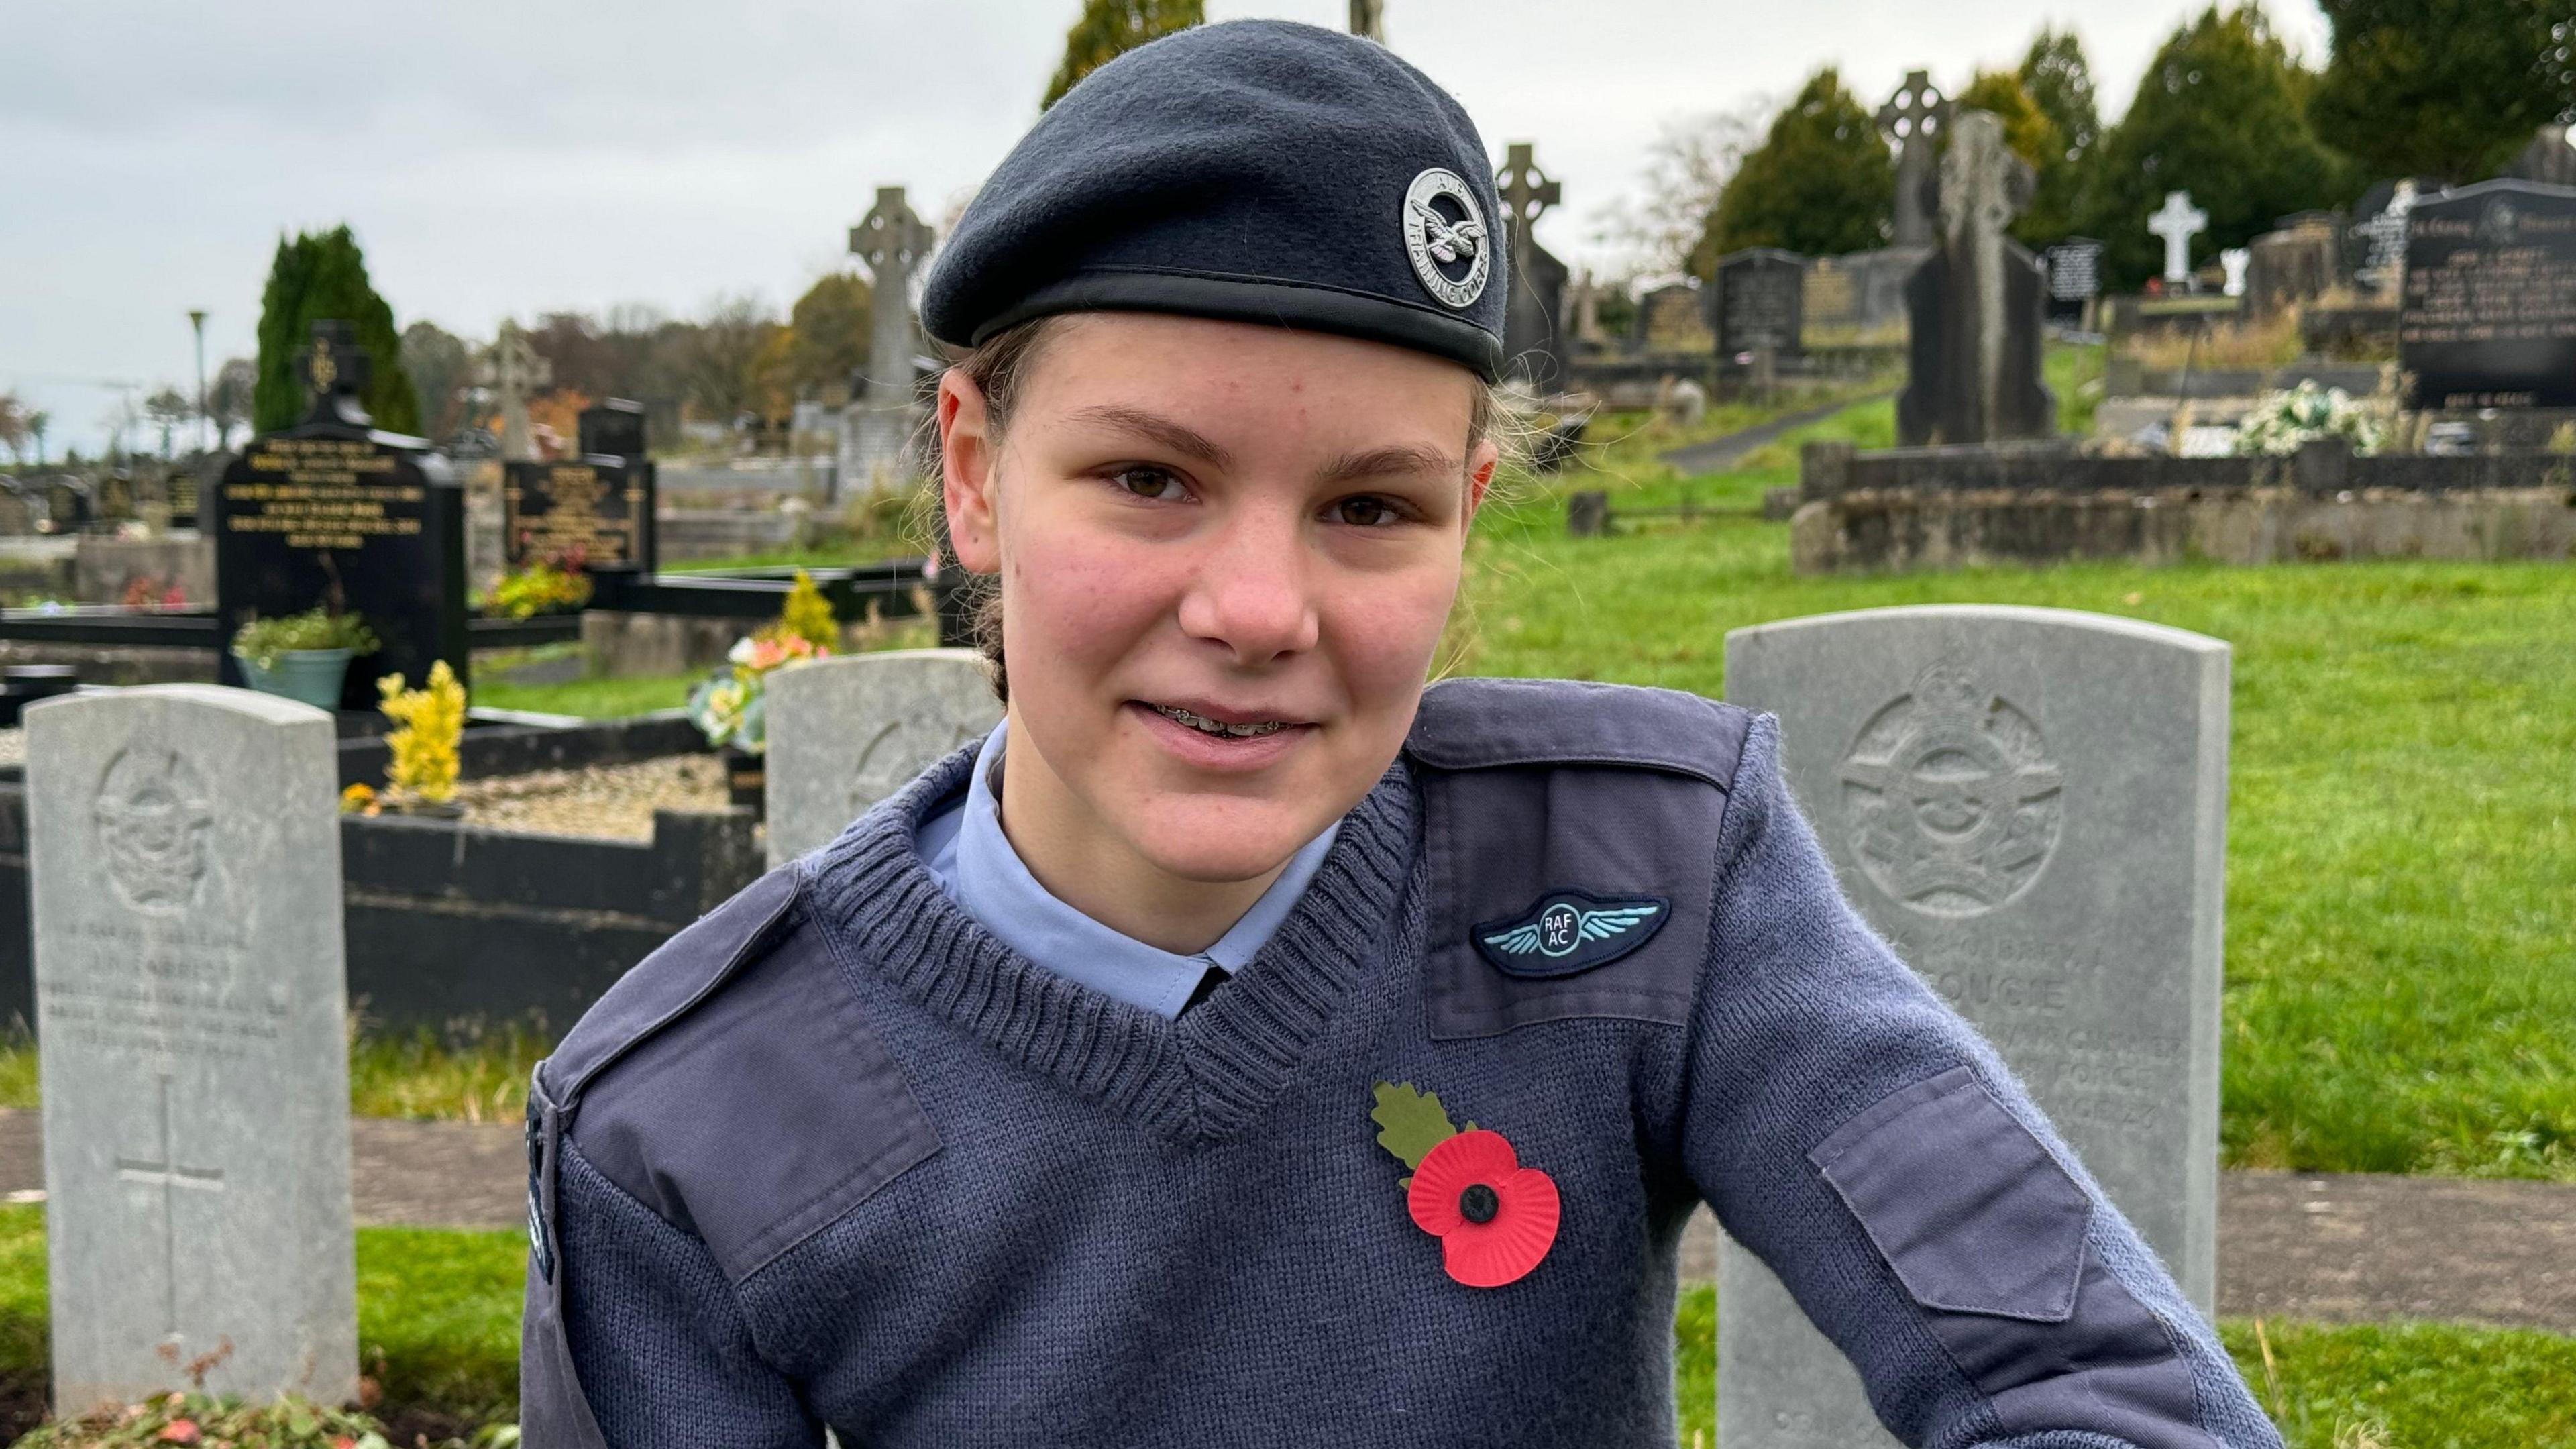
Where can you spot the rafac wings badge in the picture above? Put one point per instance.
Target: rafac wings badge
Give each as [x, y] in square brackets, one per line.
[1569, 931]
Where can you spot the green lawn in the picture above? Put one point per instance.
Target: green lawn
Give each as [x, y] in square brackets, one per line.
[613, 698]
[2401, 910]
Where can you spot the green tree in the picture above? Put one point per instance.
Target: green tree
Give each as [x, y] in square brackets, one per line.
[2057, 80]
[1108, 29]
[316, 277]
[440, 370]
[828, 328]
[2221, 113]
[2447, 88]
[1821, 183]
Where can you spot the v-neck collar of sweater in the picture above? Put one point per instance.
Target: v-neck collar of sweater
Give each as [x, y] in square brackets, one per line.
[1202, 1077]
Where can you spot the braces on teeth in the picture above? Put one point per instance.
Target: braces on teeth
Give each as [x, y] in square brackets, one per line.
[1207, 726]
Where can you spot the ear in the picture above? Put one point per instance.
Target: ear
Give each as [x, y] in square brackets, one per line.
[966, 457]
[1480, 475]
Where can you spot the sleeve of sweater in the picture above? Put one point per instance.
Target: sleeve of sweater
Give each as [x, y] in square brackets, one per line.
[1862, 1140]
[654, 1348]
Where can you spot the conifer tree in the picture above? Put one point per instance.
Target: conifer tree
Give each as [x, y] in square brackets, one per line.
[1108, 29]
[2059, 82]
[316, 277]
[2446, 88]
[1821, 183]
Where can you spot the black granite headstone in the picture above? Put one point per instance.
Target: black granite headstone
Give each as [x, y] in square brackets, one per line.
[595, 510]
[2489, 318]
[614, 427]
[1757, 304]
[332, 512]
[2074, 278]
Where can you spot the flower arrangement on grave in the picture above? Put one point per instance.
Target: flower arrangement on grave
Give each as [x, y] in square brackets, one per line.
[262, 642]
[807, 614]
[2282, 422]
[730, 706]
[546, 587]
[432, 721]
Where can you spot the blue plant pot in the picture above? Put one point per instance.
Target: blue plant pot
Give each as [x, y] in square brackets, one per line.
[312, 676]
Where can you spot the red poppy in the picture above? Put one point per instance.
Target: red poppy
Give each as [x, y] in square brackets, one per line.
[1494, 1218]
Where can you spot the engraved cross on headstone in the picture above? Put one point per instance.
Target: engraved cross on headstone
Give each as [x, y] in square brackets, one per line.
[515, 370]
[1912, 118]
[893, 241]
[2178, 223]
[170, 1176]
[1526, 194]
[335, 371]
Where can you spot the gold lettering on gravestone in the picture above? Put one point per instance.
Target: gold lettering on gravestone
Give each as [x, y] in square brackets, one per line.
[334, 493]
[1950, 801]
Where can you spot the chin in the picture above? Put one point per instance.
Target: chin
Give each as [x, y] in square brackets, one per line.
[1224, 839]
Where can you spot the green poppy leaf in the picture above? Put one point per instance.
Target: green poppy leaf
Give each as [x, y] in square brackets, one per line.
[1410, 1123]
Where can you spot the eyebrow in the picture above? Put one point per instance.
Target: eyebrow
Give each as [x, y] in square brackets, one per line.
[1391, 462]
[1175, 436]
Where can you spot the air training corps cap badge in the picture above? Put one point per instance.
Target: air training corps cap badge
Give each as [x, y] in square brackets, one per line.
[1569, 931]
[1444, 234]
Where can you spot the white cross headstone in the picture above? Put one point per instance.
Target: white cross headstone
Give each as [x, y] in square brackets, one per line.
[2178, 223]
[2235, 260]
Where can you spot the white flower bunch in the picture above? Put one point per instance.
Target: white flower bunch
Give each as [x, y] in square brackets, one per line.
[2280, 422]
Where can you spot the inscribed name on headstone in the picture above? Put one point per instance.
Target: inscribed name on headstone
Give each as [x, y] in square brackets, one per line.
[2029, 805]
[184, 864]
[2376, 251]
[2489, 318]
[597, 510]
[848, 732]
[1669, 321]
[331, 512]
[1755, 304]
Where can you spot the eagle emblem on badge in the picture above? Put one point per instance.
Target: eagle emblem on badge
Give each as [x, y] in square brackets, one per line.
[1569, 931]
[1445, 236]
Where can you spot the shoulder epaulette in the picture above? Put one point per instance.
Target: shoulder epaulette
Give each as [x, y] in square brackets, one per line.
[1481, 724]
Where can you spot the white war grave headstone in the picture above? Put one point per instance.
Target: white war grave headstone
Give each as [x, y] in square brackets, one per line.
[2178, 223]
[2030, 806]
[184, 856]
[847, 732]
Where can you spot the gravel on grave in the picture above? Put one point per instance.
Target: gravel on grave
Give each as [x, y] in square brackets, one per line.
[614, 802]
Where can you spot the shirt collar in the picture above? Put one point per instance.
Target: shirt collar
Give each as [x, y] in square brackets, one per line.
[995, 887]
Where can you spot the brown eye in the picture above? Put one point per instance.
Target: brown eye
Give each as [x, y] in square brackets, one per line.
[1150, 483]
[1365, 512]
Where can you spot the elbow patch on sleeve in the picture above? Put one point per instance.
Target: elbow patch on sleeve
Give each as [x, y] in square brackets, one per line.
[1991, 1238]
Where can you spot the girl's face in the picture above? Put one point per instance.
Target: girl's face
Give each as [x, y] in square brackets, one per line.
[1226, 555]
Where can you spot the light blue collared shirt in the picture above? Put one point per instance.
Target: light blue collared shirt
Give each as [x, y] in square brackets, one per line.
[966, 852]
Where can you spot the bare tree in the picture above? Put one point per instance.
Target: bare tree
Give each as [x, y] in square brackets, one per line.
[228, 399]
[37, 422]
[721, 362]
[169, 410]
[1687, 165]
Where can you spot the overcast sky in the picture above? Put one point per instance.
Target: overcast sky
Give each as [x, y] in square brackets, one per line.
[509, 159]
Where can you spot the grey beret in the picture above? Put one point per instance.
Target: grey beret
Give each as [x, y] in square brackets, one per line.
[1254, 171]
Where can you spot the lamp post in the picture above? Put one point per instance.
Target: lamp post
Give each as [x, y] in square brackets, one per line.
[197, 321]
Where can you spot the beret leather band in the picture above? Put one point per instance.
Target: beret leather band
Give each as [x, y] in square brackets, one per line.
[1309, 305]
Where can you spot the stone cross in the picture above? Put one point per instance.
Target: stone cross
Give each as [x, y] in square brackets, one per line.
[1913, 119]
[2029, 806]
[515, 370]
[191, 994]
[2178, 223]
[845, 733]
[893, 241]
[1977, 305]
[1526, 194]
[1532, 320]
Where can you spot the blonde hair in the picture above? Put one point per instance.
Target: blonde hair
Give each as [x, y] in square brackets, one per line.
[999, 368]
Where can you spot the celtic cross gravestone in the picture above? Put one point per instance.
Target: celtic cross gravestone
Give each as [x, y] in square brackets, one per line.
[894, 242]
[2178, 222]
[515, 371]
[846, 733]
[1913, 119]
[184, 864]
[2029, 805]
[1533, 351]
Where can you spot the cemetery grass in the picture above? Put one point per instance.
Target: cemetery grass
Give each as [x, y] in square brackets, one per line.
[2329, 1386]
[2401, 822]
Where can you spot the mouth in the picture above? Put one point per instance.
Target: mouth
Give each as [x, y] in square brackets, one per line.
[1208, 736]
[1242, 729]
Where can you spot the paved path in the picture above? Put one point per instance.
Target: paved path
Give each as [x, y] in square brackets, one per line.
[2342, 1248]
[1716, 453]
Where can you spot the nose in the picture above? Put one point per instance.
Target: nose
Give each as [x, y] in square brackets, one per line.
[1253, 594]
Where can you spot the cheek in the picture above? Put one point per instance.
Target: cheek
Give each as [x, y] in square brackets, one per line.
[1074, 602]
[1385, 628]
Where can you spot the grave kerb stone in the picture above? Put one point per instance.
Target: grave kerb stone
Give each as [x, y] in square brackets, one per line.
[847, 732]
[184, 884]
[2029, 804]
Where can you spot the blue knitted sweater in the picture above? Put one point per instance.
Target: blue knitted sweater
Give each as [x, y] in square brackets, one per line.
[836, 1156]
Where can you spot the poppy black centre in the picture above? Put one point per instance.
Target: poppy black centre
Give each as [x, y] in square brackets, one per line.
[1478, 1203]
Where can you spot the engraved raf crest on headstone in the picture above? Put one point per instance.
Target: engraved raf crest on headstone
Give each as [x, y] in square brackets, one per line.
[846, 733]
[184, 885]
[1949, 796]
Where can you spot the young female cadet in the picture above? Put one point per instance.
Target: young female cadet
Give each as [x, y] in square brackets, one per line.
[1244, 1044]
